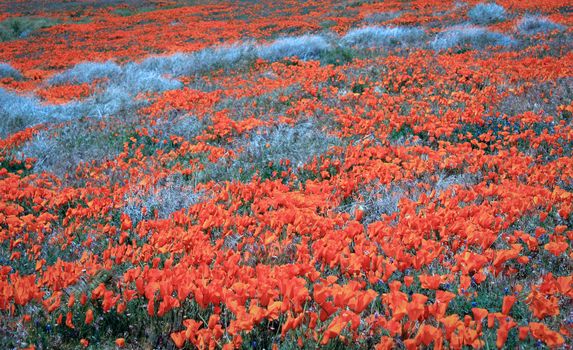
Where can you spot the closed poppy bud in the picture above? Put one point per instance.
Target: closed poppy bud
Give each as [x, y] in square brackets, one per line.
[151, 307]
[490, 320]
[89, 316]
[83, 299]
[508, 302]
[359, 213]
[39, 264]
[410, 344]
[523, 333]
[213, 321]
[237, 340]
[408, 280]
[467, 320]
[72, 300]
[125, 222]
[121, 308]
[479, 314]
[479, 277]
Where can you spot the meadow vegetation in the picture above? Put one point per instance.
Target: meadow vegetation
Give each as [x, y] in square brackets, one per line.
[285, 175]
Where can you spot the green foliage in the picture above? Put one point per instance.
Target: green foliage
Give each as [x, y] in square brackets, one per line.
[359, 88]
[404, 131]
[337, 56]
[327, 24]
[14, 166]
[130, 11]
[19, 27]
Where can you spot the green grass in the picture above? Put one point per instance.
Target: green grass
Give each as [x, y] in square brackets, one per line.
[337, 56]
[126, 12]
[18, 27]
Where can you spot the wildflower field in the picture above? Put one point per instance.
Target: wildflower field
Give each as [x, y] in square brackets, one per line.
[286, 174]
